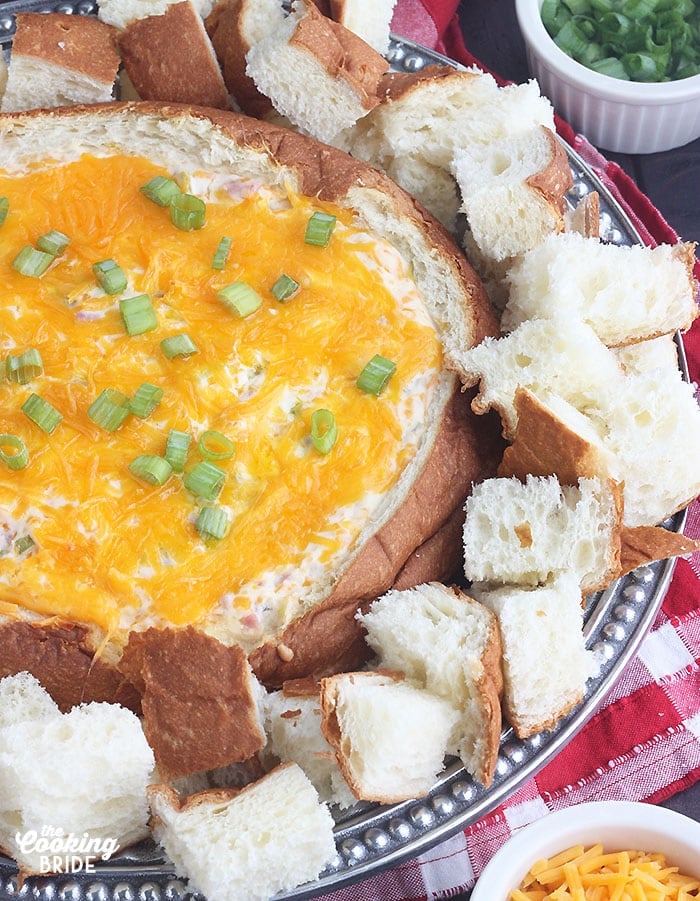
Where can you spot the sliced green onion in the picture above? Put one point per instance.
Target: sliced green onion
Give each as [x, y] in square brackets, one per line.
[239, 298]
[376, 374]
[13, 452]
[178, 346]
[161, 190]
[188, 212]
[24, 367]
[146, 398]
[151, 468]
[53, 242]
[221, 253]
[319, 229]
[4, 209]
[32, 262]
[323, 430]
[110, 276]
[212, 445]
[41, 413]
[610, 66]
[205, 479]
[24, 545]
[109, 409]
[212, 523]
[176, 446]
[638, 40]
[138, 314]
[284, 288]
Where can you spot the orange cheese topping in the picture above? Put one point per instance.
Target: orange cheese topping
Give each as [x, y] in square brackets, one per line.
[111, 550]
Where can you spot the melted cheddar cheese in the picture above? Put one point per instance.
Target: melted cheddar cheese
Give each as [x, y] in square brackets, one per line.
[113, 551]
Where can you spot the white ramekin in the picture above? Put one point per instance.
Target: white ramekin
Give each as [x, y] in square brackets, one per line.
[617, 115]
[618, 825]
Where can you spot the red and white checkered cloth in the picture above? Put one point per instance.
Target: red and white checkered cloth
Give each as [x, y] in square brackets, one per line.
[643, 742]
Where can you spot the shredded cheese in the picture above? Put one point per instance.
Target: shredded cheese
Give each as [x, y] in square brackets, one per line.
[113, 551]
[578, 874]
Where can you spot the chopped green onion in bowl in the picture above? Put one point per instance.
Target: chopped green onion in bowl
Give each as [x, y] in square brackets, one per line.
[633, 40]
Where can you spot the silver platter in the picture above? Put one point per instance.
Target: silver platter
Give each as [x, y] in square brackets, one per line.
[371, 838]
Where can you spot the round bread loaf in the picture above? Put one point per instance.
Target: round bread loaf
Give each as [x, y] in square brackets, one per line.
[78, 585]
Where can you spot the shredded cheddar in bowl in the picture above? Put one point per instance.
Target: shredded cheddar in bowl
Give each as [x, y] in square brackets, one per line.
[591, 874]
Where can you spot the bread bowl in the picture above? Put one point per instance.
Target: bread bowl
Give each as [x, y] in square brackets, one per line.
[93, 573]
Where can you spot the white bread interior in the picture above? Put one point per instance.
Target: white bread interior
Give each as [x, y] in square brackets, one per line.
[448, 644]
[524, 533]
[319, 87]
[370, 21]
[625, 294]
[545, 661]
[390, 737]
[293, 726]
[508, 212]
[121, 12]
[266, 839]
[84, 771]
[560, 356]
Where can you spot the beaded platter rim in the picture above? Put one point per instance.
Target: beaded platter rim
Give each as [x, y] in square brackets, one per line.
[372, 838]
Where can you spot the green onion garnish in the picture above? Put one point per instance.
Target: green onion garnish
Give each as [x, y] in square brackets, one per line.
[41, 413]
[4, 209]
[323, 430]
[221, 253]
[205, 479]
[212, 445]
[374, 377]
[176, 447]
[319, 229]
[32, 262]
[109, 409]
[23, 367]
[13, 452]
[138, 314]
[110, 276]
[24, 545]
[634, 40]
[284, 288]
[212, 523]
[188, 212]
[151, 468]
[53, 242]
[178, 346]
[146, 398]
[161, 190]
[239, 298]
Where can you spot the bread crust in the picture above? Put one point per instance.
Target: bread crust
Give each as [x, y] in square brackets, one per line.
[170, 57]
[556, 179]
[341, 53]
[225, 28]
[543, 446]
[82, 44]
[199, 712]
[63, 657]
